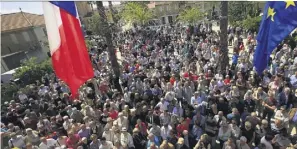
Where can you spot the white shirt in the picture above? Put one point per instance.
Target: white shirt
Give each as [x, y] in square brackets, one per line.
[163, 106]
[266, 143]
[50, 142]
[18, 142]
[293, 80]
[67, 125]
[165, 132]
[108, 135]
[127, 139]
[107, 146]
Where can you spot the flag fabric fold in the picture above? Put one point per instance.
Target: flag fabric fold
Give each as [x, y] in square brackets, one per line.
[278, 21]
[69, 53]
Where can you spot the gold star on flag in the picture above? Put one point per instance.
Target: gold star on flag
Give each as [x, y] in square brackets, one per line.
[289, 3]
[271, 13]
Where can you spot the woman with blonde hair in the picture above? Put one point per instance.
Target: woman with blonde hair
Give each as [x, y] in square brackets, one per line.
[166, 145]
[181, 144]
[235, 92]
[203, 143]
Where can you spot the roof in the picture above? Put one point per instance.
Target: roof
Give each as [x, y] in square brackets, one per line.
[151, 5]
[20, 20]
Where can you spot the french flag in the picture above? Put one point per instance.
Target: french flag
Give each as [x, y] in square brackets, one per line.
[69, 53]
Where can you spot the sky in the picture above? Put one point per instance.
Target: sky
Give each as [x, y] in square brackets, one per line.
[31, 7]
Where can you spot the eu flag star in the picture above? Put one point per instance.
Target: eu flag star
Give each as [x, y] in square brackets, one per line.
[289, 3]
[271, 13]
[278, 21]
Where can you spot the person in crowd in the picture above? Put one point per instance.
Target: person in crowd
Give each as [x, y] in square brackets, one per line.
[47, 143]
[105, 144]
[224, 133]
[170, 92]
[17, 141]
[138, 139]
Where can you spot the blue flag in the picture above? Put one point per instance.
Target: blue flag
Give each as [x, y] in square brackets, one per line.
[278, 21]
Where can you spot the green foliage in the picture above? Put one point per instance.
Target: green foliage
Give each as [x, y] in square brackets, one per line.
[191, 16]
[32, 71]
[8, 91]
[109, 16]
[29, 73]
[88, 43]
[95, 24]
[135, 12]
[239, 10]
[252, 24]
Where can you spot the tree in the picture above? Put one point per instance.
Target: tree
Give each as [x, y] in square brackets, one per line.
[191, 16]
[31, 71]
[252, 23]
[95, 24]
[8, 91]
[110, 48]
[112, 12]
[135, 12]
[88, 44]
[239, 11]
[224, 59]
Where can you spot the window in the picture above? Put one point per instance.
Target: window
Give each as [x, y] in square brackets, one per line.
[26, 36]
[163, 20]
[14, 39]
[170, 19]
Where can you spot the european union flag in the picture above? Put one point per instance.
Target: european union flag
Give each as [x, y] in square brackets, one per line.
[278, 21]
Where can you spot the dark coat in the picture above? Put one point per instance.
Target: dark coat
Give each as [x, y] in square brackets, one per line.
[139, 141]
[282, 100]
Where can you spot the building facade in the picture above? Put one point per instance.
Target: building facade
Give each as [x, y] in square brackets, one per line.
[22, 36]
[167, 12]
[84, 8]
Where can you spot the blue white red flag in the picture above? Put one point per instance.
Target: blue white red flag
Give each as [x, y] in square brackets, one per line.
[69, 53]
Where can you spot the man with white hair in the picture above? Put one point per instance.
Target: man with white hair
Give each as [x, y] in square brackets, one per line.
[67, 123]
[22, 97]
[293, 80]
[241, 143]
[126, 138]
[163, 105]
[122, 121]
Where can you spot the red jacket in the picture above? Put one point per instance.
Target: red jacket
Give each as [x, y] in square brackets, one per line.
[143, 129]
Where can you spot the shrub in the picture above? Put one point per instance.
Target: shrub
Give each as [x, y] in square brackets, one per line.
[31, 71]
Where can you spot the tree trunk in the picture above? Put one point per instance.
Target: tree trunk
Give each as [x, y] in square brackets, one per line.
[224, 59]
[111, 50]
[114, 19]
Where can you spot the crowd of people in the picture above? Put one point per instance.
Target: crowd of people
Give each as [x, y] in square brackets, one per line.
[171, 94]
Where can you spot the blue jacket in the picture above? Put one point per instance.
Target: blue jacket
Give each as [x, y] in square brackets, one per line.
[235, 59]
